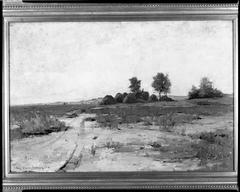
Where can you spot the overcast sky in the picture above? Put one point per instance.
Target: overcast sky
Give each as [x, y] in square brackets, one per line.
[71, 61]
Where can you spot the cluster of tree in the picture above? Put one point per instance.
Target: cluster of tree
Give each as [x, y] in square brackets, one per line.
[161, 84]
[205, 90]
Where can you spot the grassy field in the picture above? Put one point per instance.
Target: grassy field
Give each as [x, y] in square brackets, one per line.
[214, 148]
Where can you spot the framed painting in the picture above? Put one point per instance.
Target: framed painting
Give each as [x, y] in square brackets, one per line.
[123, 96]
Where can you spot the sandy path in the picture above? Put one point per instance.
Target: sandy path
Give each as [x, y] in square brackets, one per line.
[45, 153]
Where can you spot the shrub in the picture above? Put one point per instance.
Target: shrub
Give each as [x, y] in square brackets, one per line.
[209, 93]
[205, 90]
[41, 124]
[217, 93]
[194, 93]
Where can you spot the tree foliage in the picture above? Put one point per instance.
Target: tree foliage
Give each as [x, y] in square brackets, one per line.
[194, 93]
[205, 90]
[135, 85]
[161, 83]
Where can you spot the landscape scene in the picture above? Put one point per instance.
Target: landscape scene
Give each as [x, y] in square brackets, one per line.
[121, 96]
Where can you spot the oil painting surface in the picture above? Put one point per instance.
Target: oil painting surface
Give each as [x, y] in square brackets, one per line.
[121, 96]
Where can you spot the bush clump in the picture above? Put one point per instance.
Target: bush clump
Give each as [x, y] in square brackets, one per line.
[34, 123]
[41, 124]
[205, 90]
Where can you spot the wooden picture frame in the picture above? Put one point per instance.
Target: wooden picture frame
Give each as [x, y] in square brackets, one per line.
[19, 12]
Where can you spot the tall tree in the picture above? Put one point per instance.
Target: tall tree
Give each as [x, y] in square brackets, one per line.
[207, 89]
[205, 84]
[135, 85]
[161, 83]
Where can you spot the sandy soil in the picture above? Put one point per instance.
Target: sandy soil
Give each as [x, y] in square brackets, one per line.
[83, 147]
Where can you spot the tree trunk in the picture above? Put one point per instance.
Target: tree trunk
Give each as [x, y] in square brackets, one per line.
[159, 95]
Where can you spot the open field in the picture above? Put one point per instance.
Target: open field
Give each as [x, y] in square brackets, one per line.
[183, 135]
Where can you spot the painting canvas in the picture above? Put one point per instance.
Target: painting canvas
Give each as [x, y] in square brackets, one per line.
[121, 96]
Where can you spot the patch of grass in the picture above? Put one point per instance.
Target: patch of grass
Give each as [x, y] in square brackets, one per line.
[147, 120]
[37, 123]
[16, 134]
[124, 149]
[106, 120]
[226, 165]
[119, 147]
[54, 110]
[213, 149]
[165, 122]
[215, 146]
[112, 144]
[174, 151]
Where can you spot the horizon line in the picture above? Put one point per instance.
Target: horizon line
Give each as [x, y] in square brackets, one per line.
[72, 101]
